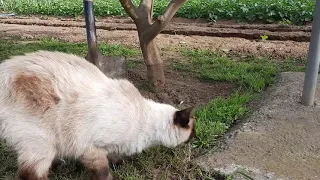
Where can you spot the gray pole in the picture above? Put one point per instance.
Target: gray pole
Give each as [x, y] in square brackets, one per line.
[311, 75]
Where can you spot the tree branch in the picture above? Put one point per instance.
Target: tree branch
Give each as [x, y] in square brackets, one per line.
[146, 11]
[146, 5]
[162, 21]
[130, 9]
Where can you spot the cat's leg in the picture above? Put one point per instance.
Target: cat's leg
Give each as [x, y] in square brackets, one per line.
[115, 159]
[97, 162]
[35, 162]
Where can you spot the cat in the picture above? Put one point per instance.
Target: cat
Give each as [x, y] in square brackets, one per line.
[56, 105]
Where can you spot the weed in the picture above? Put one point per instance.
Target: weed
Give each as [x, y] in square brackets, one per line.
[264, 37]
[285, 22]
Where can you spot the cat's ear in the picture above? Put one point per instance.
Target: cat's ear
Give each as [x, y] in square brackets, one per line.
[182, 117]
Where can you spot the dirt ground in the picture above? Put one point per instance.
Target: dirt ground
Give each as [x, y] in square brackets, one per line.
[183, 89]
[279, 141]
[226, 36]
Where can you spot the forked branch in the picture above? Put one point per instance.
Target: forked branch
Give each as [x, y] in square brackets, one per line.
[163, 20]
[146, 6]
[148, 29]
[130, 9]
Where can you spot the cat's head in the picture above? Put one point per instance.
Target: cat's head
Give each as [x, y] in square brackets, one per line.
[174, 127]
[184, 126]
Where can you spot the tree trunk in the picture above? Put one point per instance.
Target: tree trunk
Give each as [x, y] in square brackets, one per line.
[154, 63]
[148, 28]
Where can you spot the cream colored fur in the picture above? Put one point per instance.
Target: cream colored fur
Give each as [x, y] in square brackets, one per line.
[93, 112]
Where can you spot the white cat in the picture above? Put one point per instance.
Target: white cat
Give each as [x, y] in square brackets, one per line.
[55, 105]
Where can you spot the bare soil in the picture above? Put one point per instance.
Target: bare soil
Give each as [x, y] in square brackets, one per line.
[182, 89]
[226, 36]
[180, 26]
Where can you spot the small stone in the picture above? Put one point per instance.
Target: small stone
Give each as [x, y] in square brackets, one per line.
[225, 50]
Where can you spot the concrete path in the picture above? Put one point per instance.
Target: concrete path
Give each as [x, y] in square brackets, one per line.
[281, 140]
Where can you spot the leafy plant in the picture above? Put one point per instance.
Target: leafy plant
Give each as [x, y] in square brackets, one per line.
[264, 37]
[285, 22]
[293, 11]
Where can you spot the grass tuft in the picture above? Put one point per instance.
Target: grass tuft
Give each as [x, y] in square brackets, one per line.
[218, 116]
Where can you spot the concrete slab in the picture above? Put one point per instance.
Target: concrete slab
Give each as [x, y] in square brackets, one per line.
[281, 140]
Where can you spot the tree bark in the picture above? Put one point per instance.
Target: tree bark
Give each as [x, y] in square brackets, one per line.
[154, 63]
[148, 29]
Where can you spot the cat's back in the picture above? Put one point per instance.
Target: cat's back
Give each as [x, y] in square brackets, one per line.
[43, 78]
[51, 64]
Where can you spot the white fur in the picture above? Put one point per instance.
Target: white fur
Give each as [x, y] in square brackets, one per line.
[105, 113]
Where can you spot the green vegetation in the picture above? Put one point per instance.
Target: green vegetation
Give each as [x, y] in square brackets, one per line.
[218, 116]
[9, 48]
[251, 75]
[264, 37]
[295, 11]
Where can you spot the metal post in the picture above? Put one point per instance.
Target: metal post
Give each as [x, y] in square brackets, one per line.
[90, 23]
[311, 75]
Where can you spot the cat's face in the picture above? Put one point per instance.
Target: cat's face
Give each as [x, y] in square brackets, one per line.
[185, 125]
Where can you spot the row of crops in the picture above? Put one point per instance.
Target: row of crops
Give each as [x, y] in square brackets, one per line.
[288, 11]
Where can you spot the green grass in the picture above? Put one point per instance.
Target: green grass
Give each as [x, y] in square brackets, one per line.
[218, 116]
[213, 119]
[11, 47]
[293, 11]
[250, 74]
